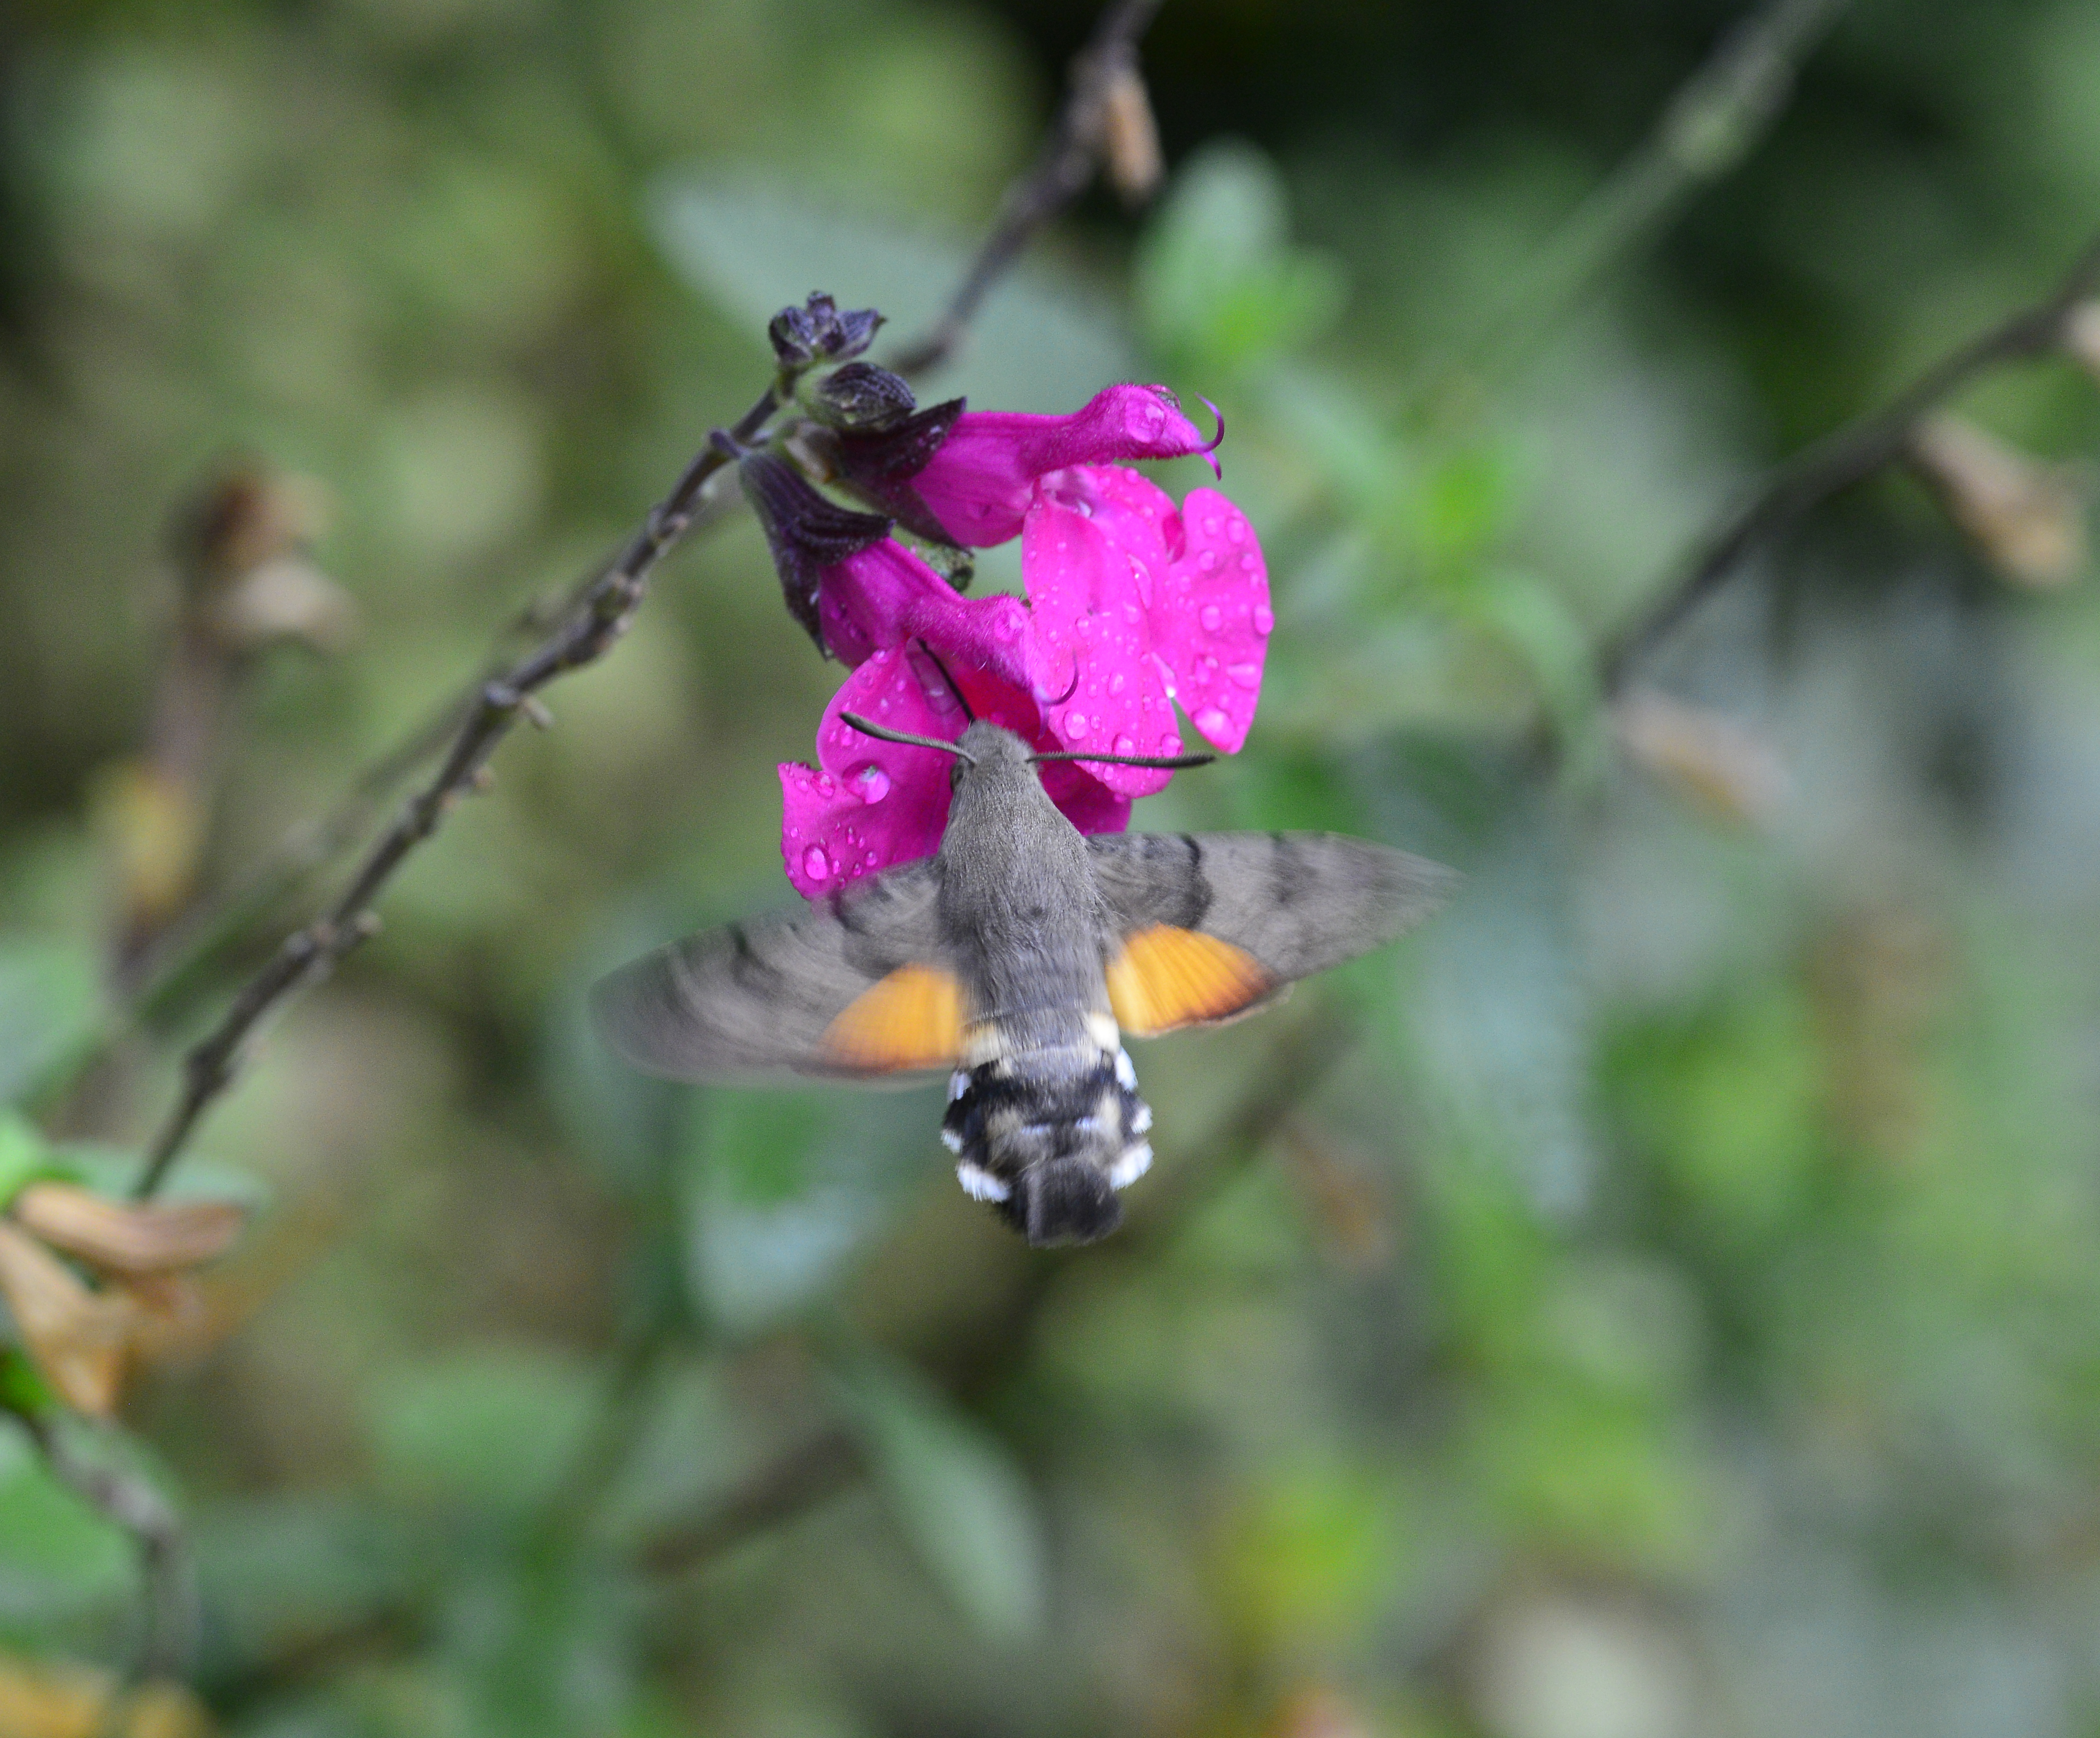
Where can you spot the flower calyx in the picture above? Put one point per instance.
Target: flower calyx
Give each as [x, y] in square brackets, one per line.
[819, 332]
[806, 533]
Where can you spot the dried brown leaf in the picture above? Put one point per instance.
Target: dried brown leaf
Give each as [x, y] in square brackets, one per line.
[79, 1338]
[2025, 517]
[1727, 769]
[1130, 136]
[40, 1699]
[124, 1236]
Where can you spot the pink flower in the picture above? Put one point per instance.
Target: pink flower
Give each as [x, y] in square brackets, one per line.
[1133, 604]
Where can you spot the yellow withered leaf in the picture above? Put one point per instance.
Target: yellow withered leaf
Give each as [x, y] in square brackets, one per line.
[913, 1018]
[79, 1338]
[119, 1236]
[39, 1699]
[1167, 978]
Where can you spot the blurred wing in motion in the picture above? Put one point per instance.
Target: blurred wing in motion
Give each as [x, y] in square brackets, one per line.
[1215, 924]
[856, 985]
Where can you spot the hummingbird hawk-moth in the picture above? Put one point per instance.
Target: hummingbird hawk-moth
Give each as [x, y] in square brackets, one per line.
[1019, 957]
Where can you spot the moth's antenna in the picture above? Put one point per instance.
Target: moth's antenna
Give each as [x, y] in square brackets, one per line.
[868, 727]
[1132, 759]
[950, 680]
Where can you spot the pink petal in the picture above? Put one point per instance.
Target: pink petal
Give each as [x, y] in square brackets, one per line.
[871, 805]
[978, 484]
[885, 596]
[1096, 545]
[1210, 619]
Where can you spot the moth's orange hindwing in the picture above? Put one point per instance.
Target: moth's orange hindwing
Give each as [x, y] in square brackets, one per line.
[1167, 978]
[912, 1018]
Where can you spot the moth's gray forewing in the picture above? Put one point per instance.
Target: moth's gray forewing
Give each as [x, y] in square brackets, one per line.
[754, 999]
[1298, 903]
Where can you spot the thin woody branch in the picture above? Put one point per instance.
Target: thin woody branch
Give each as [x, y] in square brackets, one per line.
[601, 615]
[156, 1531]
[1849, 455]
[1066, 163]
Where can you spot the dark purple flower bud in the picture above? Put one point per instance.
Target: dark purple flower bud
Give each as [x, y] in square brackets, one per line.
[860, 395]
[818, 332]
[807, 533]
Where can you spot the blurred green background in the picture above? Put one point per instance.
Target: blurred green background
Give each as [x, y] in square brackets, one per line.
[1659, 1299]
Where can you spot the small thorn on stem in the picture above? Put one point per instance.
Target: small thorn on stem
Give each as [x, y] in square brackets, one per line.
[536, 709]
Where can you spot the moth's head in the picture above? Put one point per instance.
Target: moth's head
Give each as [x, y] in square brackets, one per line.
[988, 748]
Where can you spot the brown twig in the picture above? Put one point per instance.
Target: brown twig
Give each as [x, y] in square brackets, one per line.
[1849, 455]
[1061, 171]
[602, 615]
[794, 1482]
[155, 1531]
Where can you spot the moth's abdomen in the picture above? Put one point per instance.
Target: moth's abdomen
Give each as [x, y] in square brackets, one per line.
[1048, 1135]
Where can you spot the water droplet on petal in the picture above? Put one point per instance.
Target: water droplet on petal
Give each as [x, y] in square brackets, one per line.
[1211, 617]
[826, 785]
[1265, 618]
[874, 783]
[1116, 683]
[1236, 531]
[1075, 727]
[816, 864]
[1126, 745]
[1213, 723]
[1247, 675]
[1209, 524]
[1207, 560]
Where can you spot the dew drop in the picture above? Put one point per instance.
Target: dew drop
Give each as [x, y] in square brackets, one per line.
[1126, 745]
[826, 785]
[1236, 531]
[1209, 524]
[1116, 683]
[1075, 727]
[816, 864]
[1207, 560]
[1212, 618]
[1247, 675]
[1265, 618]
[1213, 723]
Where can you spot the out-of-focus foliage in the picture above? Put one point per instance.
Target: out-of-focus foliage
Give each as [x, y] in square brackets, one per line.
[1663, 1302]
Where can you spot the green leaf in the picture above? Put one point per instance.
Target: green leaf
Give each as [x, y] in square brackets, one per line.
[783, 1187]
[22, 1389]
[1530, 617]
[488, 1429]
[25, 1158]
[956, 1494]
[50, 996]
[1040, 343]
[1218, 285]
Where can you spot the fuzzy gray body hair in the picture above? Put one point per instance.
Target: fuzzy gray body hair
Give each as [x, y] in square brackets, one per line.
[1041, 1114]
